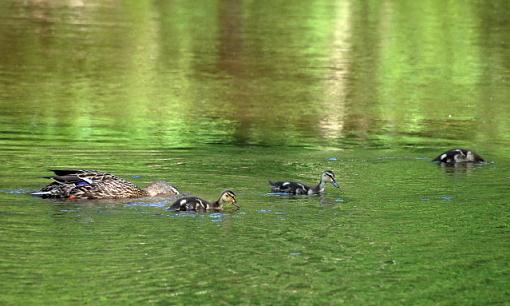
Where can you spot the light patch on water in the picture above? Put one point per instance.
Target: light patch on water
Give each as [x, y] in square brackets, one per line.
[183, 214]
[16, 191]
[446, 198]
[162, 203]
[67, 210]
[216, 217]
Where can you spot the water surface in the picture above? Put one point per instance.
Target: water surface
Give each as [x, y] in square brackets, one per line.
[229, 94]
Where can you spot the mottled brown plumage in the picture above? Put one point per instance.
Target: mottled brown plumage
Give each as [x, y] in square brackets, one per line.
[91, 184]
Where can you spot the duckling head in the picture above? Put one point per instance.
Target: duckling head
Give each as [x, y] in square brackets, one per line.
[161, 188]
[470, 156]
[460, 156]
[329, 176]
[228, 196]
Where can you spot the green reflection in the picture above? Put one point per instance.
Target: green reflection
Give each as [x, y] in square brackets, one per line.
[328, 72]
[228, 94]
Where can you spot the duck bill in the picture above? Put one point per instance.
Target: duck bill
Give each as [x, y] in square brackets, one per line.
[335, 184]
[235, 204]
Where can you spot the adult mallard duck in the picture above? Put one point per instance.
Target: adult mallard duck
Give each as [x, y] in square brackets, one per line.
[302, 189]
[91, 184]
[458, 155]
[197, 204]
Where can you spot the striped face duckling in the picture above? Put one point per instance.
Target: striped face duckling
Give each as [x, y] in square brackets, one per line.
[295, 188]
[459, 155]
[198, 204]
[91, 184]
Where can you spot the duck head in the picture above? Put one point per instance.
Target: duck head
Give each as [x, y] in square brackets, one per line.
[329, 176]
[461, 156]
[228, 197]
[161, 188]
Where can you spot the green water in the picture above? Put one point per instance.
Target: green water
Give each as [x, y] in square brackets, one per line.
[229, 94]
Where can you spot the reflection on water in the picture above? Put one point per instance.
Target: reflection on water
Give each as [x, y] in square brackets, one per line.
[228, 94]
[329, 73]
[460, 167]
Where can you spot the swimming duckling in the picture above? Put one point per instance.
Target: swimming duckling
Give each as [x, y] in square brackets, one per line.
[459, 155]
[198, 204]
[91, 184]
[299, 189]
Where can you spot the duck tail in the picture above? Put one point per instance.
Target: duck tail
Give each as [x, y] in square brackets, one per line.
[61, 172]
[41, 193]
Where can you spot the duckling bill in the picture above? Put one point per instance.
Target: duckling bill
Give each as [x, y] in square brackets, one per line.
[197, 204]
[295, 188]
[91, 184]
[458, 155]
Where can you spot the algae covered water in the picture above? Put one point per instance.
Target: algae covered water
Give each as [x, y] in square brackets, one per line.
[231, 94]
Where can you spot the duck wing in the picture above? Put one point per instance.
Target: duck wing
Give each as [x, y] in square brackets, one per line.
[89, 184]
[449, 156]
[289, 187]
[74, 176]
[190, 204]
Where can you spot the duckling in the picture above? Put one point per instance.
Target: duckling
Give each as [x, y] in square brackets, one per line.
[459, 155]
[301, 189]
[91, 184]
[198, 204]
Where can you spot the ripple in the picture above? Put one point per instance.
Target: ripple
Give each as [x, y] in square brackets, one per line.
[16, 191]
[447, 198]
[216, 217]
[162, 203]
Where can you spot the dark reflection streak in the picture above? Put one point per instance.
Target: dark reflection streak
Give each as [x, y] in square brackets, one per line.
[168, 35]
[230, 60]
[230, 42]
[459, 167]
[361, 98]
[494, 39]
